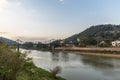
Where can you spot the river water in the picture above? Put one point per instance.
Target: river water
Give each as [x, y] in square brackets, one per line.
[77, 67]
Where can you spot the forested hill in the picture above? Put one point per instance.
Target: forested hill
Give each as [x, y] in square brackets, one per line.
[98, 32]
[7, 41]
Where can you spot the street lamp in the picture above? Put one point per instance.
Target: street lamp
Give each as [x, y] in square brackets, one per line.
[18, 41]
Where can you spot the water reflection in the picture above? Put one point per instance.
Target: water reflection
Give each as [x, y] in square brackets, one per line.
[26, 51]
[106, 66]
[97, 62]
[60, 56]
[76, 66]
[65, 57]
[55, 56]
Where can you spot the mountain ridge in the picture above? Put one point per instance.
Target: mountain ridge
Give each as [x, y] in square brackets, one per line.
[97, 33]
[7, 41]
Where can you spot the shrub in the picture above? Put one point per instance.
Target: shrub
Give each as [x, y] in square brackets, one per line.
[55, 71]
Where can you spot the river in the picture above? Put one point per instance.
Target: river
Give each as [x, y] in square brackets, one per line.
[75, 66]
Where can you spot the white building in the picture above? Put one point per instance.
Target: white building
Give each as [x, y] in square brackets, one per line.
[116, 43]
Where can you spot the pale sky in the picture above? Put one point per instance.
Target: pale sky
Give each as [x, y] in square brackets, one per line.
[40, 20]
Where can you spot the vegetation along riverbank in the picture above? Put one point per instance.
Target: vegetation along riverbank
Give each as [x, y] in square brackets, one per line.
[15, 66]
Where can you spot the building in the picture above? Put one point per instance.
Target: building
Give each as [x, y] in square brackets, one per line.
[102, 43]
[115, 43]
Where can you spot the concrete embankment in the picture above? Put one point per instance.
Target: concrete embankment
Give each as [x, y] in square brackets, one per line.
[105, 52]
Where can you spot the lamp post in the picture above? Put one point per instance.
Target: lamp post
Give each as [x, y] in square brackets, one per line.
[18, 44]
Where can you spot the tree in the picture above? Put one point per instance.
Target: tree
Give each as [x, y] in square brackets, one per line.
[10, 63]
[28, 45]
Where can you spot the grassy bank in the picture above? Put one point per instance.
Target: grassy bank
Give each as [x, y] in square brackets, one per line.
[15, 66]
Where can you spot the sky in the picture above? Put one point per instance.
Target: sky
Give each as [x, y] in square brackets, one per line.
[42, 20]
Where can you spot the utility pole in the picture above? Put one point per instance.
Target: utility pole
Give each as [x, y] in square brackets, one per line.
[18, 44]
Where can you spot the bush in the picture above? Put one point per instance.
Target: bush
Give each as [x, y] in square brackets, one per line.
[55, 71]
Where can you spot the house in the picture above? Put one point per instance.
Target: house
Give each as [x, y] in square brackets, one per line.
[115, 43]
[102, 43]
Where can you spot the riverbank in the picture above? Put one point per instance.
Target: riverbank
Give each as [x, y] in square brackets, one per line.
[15, 66]
[104, 52]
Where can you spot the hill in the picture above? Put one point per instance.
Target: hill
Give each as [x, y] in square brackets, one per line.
[97, 33]
[7, 41]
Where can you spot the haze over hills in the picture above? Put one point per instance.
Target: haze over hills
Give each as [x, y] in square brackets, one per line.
[7, 41]
[90, 35]
[98, 32]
